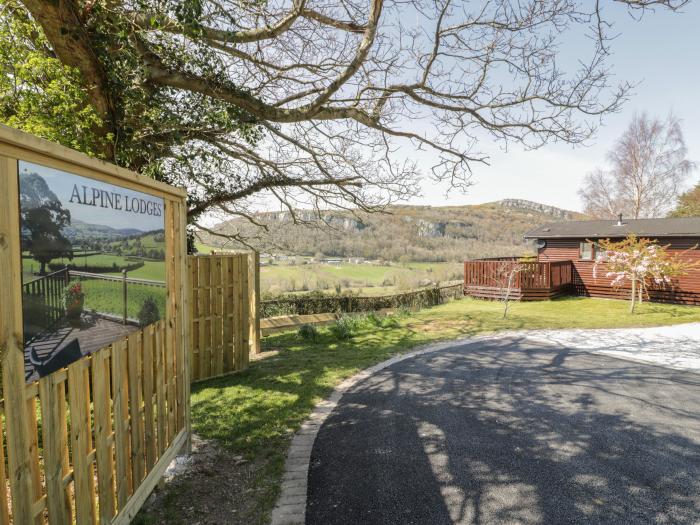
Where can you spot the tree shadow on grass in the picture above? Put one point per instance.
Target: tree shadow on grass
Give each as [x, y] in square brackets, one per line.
[508, 432]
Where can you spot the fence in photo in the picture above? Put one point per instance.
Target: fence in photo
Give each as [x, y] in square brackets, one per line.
[43, 301]
[87, 443]
[125, 290]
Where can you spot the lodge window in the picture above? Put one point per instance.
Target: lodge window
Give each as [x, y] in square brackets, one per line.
[600, 253]
[585, 251]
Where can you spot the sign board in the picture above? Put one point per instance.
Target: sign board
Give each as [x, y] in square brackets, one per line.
[93, 264]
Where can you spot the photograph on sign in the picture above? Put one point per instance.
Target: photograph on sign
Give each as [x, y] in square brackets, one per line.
[93, 265]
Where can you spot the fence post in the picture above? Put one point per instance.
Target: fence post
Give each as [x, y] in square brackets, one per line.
[254, 301]
[125, 297]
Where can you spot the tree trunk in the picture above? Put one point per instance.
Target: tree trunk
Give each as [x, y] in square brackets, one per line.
[634, 295]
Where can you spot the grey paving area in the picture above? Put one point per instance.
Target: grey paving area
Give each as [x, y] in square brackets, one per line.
[676, 346]
[506, 431]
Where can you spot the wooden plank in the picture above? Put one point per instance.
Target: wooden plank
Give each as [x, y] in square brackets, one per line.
[216, 317]
[184, 327]
[4, 507]
[55, 449]
[34, 465]
[245, 312]
[17, 144]
[135, 379]
[254, 301]
[11, 341]
[131, 509]
[148, 394]
[227, 313]
[170, 336]
[237, 333]
[193, 328]
[161, 413]
[281, 323]
[120, 404]
[101, 401]
[81, 441]
[204, 325]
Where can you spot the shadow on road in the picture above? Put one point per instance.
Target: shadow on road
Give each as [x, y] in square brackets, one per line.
[509, 432]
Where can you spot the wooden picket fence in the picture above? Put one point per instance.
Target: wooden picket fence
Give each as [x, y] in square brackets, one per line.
[224, 323]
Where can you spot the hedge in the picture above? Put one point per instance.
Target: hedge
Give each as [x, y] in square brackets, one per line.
[318, 303]
[54, 267]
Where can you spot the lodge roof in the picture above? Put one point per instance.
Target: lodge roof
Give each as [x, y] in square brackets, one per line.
[674, 227]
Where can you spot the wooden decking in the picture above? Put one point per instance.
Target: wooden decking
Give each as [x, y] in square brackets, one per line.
[94, 333]
[535, 281]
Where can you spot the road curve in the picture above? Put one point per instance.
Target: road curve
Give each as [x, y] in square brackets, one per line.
[510, 431]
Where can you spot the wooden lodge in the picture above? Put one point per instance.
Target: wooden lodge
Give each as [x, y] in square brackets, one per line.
[566, 254]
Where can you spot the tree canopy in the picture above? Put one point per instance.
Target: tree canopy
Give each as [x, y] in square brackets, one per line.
[688, 203]
[307, 102]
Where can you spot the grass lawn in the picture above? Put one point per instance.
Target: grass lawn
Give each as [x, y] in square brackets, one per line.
[107, 297]
[152, 270]
[255, 412]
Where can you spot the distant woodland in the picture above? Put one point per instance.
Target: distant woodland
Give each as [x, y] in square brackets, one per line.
[404, 233]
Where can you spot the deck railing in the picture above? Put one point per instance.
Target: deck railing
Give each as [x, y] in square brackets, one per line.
[43, 302]
[531, 275]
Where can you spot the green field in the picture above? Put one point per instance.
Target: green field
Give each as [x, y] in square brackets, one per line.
[152, 270]
[147, 241]
[369, 279]
[106, 297]
[30, 267]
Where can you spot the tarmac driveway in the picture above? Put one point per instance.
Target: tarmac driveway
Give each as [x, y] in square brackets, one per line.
[511, 430]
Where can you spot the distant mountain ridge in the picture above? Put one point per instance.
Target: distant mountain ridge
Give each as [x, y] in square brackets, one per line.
[418, 233]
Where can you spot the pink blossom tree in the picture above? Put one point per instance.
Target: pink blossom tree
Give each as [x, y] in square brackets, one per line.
[641, 263]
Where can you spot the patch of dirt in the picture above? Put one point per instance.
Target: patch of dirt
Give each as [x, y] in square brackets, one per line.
[212, 486]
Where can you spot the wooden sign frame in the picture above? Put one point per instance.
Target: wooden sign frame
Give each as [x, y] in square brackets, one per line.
[121, 385]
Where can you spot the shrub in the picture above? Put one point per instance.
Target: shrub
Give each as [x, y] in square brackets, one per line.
[149, 313]
[344, 327]
[308, 332]
[373, 319]
[390, 322]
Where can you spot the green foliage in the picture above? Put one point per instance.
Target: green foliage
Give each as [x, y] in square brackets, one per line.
[44, 239]
[688, 204]
[344, 327]
[149, 312]
[316, 302]
[308, 332]
[39, 94]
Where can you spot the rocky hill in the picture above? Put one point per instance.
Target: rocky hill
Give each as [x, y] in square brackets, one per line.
[410, 233]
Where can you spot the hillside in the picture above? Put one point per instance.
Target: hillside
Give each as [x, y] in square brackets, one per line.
[405, 233]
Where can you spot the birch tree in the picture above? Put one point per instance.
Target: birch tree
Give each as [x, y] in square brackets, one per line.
[648, 167]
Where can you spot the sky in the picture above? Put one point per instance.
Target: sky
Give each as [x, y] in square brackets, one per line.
[660, 52]
[63, 184]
